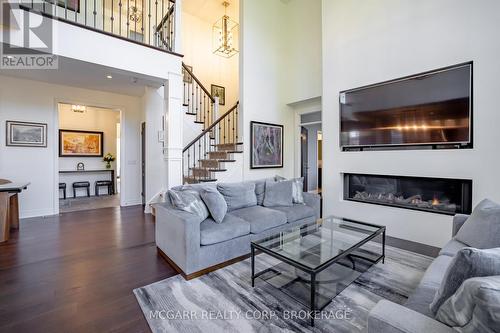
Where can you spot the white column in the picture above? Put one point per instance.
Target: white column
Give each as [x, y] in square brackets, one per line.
[173, 126]
[178, 27]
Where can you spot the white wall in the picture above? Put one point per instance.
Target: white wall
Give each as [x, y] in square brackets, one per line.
[27, 100]
[93, 119]
[208, 67]
[280, 64]
[365, 42]
[303, 55]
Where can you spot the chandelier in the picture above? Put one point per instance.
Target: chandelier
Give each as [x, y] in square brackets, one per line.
[225, 35]
[136, 14]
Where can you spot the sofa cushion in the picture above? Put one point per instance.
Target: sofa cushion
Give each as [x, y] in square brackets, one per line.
[297, 189]
[423, 295]
[468, 263]
[215, 202]
[474, 307]
[238, 195]
[194, 187]
[278, 193]
[189, 201]
[260, 218]
[296, 212]
[230, 227]
[260, 188]
[451, 248]
[482, 228]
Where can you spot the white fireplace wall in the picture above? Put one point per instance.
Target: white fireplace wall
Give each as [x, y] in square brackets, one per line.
[366, 42]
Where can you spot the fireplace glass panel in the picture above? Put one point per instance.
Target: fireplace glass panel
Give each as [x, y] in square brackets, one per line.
[438, 195]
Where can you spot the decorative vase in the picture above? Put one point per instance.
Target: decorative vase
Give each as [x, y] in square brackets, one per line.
[108, 165]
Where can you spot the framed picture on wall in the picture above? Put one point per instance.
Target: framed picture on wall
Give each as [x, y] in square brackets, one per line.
[218, 91]
[75, 143]
[25, 134]
[73, 5]
[266, 145]
[185, 75]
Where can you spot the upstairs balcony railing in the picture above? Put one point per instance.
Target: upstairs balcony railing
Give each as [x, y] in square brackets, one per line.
[148, 22]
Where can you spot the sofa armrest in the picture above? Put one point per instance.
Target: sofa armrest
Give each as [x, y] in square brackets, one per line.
[177, 234]
[458, 222]
[313, 200]
[389, 317]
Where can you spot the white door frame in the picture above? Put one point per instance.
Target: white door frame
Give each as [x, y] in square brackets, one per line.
[118, 108]
[297, 141]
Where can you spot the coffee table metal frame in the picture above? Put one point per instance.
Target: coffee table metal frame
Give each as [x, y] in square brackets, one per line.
[254, 246]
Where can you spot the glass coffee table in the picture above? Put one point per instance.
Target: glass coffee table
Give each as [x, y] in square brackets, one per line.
[318, 260]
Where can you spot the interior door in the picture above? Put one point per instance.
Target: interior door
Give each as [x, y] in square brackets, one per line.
[304, 170]
[143, 162]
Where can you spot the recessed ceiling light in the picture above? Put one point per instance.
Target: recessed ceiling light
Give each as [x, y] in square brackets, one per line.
[109, 77]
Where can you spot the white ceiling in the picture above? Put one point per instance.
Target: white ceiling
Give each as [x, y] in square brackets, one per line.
[89, 76]
[211, 10]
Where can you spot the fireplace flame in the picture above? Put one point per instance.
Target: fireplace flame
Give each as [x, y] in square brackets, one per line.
[435, 201]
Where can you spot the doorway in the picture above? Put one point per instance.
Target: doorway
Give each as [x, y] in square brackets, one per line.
[311, 148]
[89, 157]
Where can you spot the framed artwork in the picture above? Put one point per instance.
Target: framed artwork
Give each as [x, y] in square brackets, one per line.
[73, 143]
[186, 77]
[218, 91]
[25, 134]
[266, 145]
[73, 5]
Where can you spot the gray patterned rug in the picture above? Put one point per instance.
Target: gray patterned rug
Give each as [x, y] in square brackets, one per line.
[224, 301]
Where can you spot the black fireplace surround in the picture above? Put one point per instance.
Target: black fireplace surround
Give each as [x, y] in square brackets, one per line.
[435, 195]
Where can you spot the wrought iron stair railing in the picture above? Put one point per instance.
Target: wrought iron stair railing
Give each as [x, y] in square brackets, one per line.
[207, 154]
[147, 22]
[198, 100]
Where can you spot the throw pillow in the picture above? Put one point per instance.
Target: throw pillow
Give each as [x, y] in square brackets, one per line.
[482, 228]
[298, 188]
[215, 203]
[238, 195]
[189, 201]
[278, 193]
[474, 307]
[467, 263]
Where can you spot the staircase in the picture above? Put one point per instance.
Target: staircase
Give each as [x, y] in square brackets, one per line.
[208, 153]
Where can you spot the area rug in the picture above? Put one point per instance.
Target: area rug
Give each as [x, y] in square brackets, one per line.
[224, 301]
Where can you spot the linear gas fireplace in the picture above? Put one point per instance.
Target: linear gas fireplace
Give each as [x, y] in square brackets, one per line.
[436, 195]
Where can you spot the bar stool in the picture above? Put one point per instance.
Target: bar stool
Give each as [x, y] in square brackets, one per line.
[107, 183]
[62, 186]
[85, 185]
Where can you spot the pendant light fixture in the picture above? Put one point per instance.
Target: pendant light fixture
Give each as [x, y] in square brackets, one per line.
[225, 35]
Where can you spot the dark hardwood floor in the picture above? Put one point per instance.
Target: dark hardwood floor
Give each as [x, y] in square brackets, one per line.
[76, 272]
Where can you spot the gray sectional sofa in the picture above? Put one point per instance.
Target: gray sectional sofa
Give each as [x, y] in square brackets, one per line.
[415, 315]
[195, 247]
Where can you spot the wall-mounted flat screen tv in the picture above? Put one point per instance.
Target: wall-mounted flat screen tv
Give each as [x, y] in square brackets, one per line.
[430, 109]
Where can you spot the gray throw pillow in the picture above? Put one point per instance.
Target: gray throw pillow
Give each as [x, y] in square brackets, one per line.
[482, 228]
[467, 263]
[278, 193]
[189, 201]
[297, 190]
[238, 195]
[474, 307]
[215, 203]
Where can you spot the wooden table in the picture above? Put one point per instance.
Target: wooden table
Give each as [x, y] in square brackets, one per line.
[9, 208]
[94, 171]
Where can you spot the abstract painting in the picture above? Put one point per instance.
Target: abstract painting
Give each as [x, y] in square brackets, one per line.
[80, 143]
[24, 134]
[266, 145]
